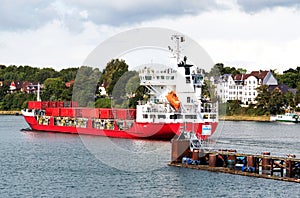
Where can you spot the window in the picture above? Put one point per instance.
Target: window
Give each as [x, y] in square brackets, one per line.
[190, 117]
[162, 77]
[188, 79]
[161, 116]
[152, 116]
[188, 99]
[145, 116]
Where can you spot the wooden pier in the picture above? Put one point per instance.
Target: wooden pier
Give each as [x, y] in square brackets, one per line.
[229, 161]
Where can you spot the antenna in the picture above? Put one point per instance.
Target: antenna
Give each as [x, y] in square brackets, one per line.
[177, 39]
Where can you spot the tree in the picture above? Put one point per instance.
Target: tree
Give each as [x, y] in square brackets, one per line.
[262, 100]
[263, 97]
[290, 99]
[85, 86]
[53, 89]
[132, 85]
[298, 93]
[68, 74]
[276, 102]
[45, 73]
[103, 103]
[112, 73]
[3, 90]
[141, 93]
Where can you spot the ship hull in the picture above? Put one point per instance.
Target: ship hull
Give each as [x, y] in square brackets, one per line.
[155, 131]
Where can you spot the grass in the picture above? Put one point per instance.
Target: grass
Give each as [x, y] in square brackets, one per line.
[246, 118]
[9, 112]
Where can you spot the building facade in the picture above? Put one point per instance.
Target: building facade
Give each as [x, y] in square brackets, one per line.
[243, 87]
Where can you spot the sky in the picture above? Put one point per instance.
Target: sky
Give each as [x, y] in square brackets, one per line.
[250, 34]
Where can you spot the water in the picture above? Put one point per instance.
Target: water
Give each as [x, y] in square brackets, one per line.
[35, 164]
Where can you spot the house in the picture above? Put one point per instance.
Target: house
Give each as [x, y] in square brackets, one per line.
[243, 86]
[102, 90]
[283, 88]
[28, 87]
[70, 83]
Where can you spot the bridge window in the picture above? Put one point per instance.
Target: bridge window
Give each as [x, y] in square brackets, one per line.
[145, 116]
[188, 79]
[161, 116]
[190, 116]
[188, 99]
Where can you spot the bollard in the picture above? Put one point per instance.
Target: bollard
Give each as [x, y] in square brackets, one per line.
[195, 155]
[251, 163]
[212, 162]
[266, 163]
[290, 165]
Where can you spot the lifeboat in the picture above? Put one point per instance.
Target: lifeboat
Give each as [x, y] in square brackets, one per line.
[173, 100]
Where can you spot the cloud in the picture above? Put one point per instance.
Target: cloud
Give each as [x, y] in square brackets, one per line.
[259, 5]
[24, 14]
[31, 14]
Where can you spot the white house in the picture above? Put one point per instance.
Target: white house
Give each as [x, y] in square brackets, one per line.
[243, 86]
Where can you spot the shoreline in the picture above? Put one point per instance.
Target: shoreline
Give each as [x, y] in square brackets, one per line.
[10, 112]
[222, 118]
[245, 118]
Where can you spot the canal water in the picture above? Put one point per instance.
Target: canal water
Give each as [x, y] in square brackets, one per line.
[36, 164]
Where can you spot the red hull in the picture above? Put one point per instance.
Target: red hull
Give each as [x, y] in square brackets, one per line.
[158, 131]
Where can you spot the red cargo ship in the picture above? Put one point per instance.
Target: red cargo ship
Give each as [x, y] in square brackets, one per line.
[175, 103]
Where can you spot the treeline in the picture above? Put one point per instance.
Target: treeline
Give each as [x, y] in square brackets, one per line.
[53, 81]
[34, 74]
[122, 86]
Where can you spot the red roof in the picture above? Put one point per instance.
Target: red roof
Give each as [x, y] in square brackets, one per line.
[68, 84]
[259, 74]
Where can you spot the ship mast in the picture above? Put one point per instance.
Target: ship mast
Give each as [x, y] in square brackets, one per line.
[177, 39]
[38, 97]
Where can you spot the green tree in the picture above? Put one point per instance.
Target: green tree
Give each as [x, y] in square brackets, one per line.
[103, 103]
[263, 97]
[3, 90]
[68, 74]
[16, 101]
[132, 85]
[53, 89]
[290, 99]
[276, 102]
[112, 73]
[85, 86]
[141, 93]
[298, 93]
[46, 73]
